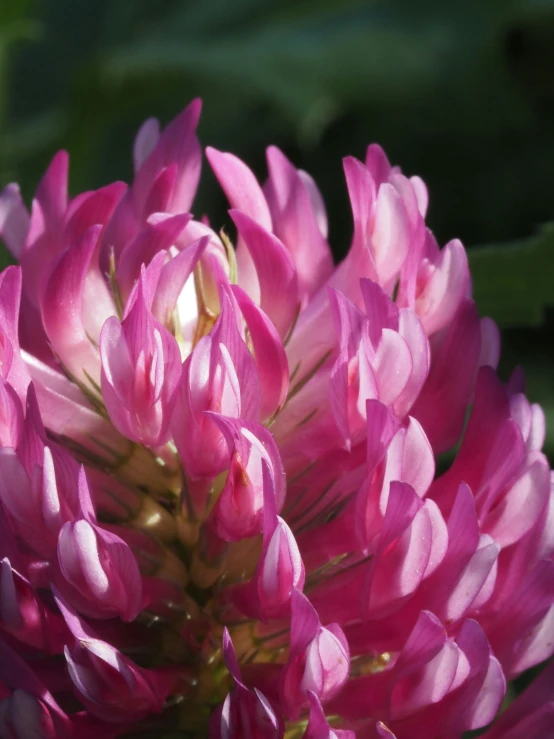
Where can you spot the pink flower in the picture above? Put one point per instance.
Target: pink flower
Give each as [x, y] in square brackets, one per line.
[220, 511]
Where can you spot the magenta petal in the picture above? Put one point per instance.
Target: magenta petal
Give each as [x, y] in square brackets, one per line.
[447, 286]
[11, 415]
[160, 233]
[245, 194]
[52, 190]
[62, 309]
[12, 367]
[531, 714]
[490, 696]
[90, 209]
[418, 463]
[275, 271]
[377, 163]
[230, 656]
[391, 233]
[471, 581]
[141, 370]
[413, 334]
[241, 187]
[109, 684]
[537, 646]
[522, 505]
[98, 572]
[319, 659]
[398, 570]
[269, 354]
[380, 309]
[31, 707]
[297, 223]
[318, 727]
[145, 141]
[161, 192]
[281, 572]
[427, 685]
[453, 360]
[14, 219]
[177, 144]
[362, 194]
[173, 277]
[392, 366]
[255, 464]
[117, 365]
[425, 641]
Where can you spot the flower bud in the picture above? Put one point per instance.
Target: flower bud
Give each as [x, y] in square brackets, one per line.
[96, 570]
[239, 510]
[141, 369]
[319, 659]
[109, 684]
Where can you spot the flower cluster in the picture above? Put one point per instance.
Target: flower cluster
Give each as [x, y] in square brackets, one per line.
[228, 500]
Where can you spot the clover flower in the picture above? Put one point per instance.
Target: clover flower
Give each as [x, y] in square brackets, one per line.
[223, 509]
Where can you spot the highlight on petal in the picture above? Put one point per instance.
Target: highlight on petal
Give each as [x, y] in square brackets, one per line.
[96, 570]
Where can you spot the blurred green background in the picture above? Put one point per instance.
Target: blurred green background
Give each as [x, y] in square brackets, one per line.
[461, 93]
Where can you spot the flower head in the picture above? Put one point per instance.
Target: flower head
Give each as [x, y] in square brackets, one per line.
[220, 512]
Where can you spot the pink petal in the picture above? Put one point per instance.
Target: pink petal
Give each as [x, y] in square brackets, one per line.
[14, 219]
[378, 164]
[275, 271]
[173, 277]
[441, 296]
[145, 141]
[62, 309]
[296, 224]
[241, 187]
[269, 354]
[177, 144]
[160, 234]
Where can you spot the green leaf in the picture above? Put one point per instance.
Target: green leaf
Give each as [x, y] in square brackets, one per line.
[514, 282]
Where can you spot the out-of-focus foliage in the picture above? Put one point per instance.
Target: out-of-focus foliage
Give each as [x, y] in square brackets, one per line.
[460, 92]
[513, 281]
